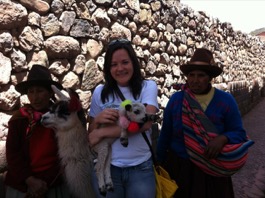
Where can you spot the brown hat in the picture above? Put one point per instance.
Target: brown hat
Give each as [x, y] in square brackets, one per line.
[202, 59]
[38, 75]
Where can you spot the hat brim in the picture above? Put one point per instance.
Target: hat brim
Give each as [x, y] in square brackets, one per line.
[22, 87]
[212, 70]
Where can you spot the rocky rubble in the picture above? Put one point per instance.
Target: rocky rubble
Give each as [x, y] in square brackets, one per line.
[70, 37]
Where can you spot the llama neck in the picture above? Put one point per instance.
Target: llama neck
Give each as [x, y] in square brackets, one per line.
[73, 143]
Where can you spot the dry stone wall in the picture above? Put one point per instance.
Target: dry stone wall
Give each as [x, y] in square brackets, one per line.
[70, 38]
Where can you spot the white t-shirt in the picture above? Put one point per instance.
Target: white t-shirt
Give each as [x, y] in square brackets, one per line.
[137, 151]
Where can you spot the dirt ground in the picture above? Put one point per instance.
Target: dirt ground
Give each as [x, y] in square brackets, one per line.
[249, 182]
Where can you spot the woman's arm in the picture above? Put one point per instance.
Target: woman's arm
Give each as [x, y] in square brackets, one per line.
[149, 97]
[103, 125]
[17, 159]
[152, 110]
[105, 117]
[110, 131]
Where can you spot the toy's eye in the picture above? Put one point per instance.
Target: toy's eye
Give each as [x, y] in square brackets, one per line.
[137, 112]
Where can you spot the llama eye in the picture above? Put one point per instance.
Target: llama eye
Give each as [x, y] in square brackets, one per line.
[52, 109]
[64, 111]
[137, 112]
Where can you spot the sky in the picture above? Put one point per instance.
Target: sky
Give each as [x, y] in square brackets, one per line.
[244, 15]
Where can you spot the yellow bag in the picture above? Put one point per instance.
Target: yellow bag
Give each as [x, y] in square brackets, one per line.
[165, 186]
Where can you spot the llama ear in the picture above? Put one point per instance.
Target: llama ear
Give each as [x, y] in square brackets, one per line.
[74, 104]
[61, 95]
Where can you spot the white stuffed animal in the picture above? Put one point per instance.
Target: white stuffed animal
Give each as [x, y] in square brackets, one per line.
[131, 116]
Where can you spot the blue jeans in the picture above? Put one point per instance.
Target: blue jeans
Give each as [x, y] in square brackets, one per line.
[133, 182]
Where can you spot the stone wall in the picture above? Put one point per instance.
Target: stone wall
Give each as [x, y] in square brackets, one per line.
[246, 95]
[70, 38]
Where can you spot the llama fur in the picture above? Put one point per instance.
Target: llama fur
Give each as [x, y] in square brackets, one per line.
[129, 112]
[73, 148]
[102, 166]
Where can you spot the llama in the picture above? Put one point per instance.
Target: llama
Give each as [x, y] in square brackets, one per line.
[67, 118]
[102, 166]
[130, 115]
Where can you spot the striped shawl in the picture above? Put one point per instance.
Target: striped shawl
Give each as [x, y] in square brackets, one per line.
[198, 131]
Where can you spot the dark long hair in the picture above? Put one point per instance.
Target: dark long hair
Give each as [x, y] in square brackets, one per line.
[135, 83]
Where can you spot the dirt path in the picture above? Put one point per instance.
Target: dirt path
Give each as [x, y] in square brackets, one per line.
[250, 181]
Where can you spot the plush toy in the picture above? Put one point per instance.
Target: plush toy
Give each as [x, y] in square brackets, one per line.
[133, 127]
[131, 116]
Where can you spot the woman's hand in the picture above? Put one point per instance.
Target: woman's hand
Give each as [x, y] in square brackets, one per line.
[215, 146]
[107, 116]
[146, 126]
[36, 187]
[151, 110]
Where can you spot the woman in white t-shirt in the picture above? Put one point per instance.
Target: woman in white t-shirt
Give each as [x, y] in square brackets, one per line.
[131, 167]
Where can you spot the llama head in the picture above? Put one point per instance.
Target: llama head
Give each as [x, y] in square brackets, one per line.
[66, 111]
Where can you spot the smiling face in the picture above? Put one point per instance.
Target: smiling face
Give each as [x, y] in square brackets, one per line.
[198, 81]
[121, 67]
